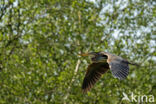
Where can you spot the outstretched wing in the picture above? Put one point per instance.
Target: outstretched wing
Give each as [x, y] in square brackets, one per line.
[94, 72]
[119, 68]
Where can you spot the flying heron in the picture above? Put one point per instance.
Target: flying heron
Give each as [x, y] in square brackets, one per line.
[101, 63]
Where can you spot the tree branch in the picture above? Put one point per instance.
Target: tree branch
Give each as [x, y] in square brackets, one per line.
[73, 79]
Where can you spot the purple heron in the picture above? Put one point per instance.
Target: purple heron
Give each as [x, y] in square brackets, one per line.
[101, 63]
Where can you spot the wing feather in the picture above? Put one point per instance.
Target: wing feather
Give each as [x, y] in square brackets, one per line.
[119, 69]
[94, 72]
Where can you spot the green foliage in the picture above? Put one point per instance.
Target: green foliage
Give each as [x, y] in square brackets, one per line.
[40, 42]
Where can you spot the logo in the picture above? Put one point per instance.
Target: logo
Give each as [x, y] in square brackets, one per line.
[138, 98]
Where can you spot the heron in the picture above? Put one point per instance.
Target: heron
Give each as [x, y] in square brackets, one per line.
[101, 63]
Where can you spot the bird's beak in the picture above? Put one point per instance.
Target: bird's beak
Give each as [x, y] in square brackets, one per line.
[87, 54]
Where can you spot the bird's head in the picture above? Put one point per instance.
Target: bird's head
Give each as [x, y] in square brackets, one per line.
[96, 56]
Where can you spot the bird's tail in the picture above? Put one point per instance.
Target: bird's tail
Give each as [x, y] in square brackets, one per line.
[134, 64]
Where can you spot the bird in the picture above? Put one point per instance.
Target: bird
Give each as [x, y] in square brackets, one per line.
[101, 63]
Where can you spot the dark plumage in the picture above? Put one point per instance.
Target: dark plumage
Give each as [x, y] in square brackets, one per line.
[101, 63]
[94, 72]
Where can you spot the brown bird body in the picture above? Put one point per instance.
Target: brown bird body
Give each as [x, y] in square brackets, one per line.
[101, 63]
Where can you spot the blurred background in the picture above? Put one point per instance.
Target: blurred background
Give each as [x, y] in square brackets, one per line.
[40, 41]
